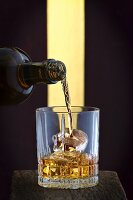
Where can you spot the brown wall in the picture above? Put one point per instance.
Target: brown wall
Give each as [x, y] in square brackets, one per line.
[108, 79]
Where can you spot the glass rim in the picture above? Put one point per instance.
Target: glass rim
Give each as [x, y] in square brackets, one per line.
[87, 109]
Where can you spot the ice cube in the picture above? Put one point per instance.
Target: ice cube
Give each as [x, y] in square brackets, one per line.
[78, 139]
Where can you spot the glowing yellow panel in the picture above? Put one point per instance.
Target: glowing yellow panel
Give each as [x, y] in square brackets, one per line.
[65, 34]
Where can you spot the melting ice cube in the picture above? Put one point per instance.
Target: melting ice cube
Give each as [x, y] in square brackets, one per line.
[78, 141]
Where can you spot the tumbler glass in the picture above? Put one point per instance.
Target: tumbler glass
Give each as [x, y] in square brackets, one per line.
[67, 156]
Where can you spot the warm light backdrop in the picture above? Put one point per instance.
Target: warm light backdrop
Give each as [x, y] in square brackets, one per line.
[65, 42]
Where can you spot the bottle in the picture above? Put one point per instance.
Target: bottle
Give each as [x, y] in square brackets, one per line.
[18, 74]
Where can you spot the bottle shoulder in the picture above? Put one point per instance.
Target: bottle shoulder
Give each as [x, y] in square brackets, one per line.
[11, 90]
[12, 56]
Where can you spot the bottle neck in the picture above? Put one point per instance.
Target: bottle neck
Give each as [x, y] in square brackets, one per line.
[49, 72]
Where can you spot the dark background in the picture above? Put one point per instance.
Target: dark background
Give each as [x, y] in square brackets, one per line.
[22, 24]
[108, 84]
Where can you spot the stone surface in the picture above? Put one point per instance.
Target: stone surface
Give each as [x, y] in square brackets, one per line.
[25, 187]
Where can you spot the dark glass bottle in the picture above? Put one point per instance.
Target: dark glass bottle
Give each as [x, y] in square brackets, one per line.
[18, 74]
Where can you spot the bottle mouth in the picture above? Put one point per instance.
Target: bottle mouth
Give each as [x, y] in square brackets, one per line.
[56, 70]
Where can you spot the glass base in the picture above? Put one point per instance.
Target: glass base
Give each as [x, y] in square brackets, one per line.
[68, 183]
